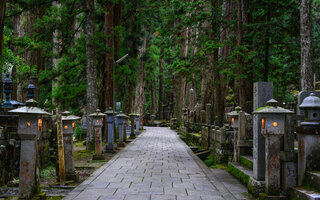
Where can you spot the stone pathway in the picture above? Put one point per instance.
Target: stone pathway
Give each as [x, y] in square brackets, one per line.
[158, 165]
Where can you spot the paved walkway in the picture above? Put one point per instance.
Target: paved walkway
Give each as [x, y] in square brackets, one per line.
[157, 165]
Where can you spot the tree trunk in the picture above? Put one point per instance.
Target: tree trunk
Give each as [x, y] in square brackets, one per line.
[245, 84]
[117, 16]
[160, 108]
[139, 100]
[306, 45]
[266, 51]
[109, 57]
[153, 97]
[2, 18]
[91, 71]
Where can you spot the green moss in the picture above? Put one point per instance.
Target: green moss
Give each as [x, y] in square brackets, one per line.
[83, 154]
[244, 178]
[48, 173]
[246, 162]
[210, 161]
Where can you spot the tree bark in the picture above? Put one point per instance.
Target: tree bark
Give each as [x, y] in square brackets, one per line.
[2, 18]
[139, 100]
[117, 17]
[160, 104]
[109, 57]
[91, 71]
[245, 84]
[153, 98]
[306, 45]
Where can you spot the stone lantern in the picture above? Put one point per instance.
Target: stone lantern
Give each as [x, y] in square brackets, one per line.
[98, 123]
[110, 119]
[233, 117]
[273, 127]
[68, 126]
[309, 137]
[29, 129]
[132, 119]
[121, 118]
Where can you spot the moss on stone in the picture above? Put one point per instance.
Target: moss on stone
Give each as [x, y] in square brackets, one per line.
[244, 178]
[246, 162]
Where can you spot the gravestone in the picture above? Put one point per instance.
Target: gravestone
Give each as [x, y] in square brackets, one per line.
[262, 92]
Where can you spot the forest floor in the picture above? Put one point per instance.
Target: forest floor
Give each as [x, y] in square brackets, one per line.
[50, 187]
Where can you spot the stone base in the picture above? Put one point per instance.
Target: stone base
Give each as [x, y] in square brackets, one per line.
[264, 196]
[98, 157]
[132, 136]
[120, 144]
[256, 187]
[110, 151]
[74, 176]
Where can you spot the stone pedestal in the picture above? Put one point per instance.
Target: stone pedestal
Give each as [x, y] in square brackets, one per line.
[68, 158]
[272, 173]
[27, 175]
[236, 150]
[132, 134]
[98, 144]
[110, 147]
[137, 124]
[121, 132]
[309, 151]
[263, 91]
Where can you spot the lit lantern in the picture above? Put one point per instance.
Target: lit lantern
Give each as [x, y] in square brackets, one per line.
[273, 123]
[272, 118]
[68, 122]
[234, 116]
[29, 129]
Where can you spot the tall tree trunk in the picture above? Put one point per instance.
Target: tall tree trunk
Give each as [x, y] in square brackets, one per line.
[139, 100]
[109, 57]
[224, 52]
[2, 18]
[117, 17]
[160, 104]
[91, 71]
[306, 45]
[154, 98]
[267, 44]
[245, 84]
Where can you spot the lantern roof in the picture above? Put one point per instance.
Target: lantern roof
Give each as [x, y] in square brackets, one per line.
[236, 112]
[312, 101]
[98, 113]
[15, 103]
[272, 108]
[121, 115]
[109, 111]
[66, 116]
[30, 108]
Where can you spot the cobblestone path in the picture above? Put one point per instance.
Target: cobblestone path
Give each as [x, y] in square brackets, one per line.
[157, 165]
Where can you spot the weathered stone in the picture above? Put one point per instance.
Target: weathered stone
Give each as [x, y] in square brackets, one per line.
[110, 119]
[256, 187]
[263, 91]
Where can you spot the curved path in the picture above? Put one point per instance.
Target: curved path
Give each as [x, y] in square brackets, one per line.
[157, 165]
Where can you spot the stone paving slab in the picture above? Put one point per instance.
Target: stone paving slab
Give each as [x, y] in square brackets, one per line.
[158, 166]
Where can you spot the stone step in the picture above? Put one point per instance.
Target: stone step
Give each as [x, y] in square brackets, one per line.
[242, 172]
[247, 161]
[302, 194]
[312, 179]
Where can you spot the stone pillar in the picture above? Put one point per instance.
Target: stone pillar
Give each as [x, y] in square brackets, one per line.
[209, 121]
[137, 124]
[272, 173]
[68, 156]
[309, 150]
[121, 121]
[110, 119]
[262, 92]
[98, 140]
[236, 149]
[132, 134]
[125, 129]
